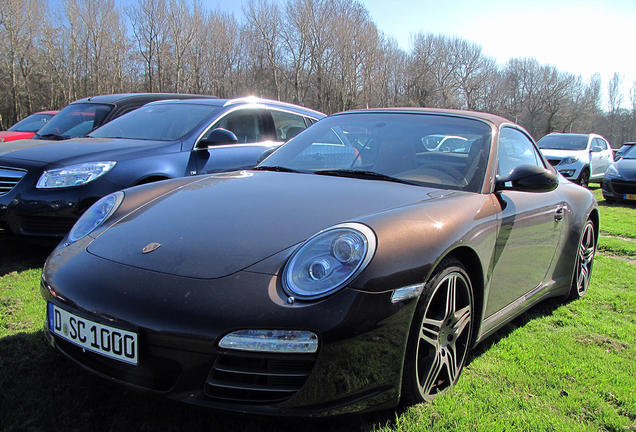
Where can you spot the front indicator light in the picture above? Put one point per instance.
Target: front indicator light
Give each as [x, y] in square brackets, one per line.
[272, 341]
[406, 293]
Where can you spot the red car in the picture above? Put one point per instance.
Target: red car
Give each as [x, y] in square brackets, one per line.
[27, 127]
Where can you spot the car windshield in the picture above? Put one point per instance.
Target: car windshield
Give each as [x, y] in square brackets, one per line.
[404, 147]
[75, 120]
[563, 142]
[631, 153]
[32, 123]
[157, 122]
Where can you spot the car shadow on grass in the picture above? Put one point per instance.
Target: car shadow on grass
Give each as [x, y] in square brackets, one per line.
[41, 390]
[18, 254]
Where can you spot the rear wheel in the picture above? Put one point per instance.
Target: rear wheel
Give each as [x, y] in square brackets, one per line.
[440, 334]
[584, 260]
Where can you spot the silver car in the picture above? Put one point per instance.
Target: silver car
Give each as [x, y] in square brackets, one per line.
[580, 158]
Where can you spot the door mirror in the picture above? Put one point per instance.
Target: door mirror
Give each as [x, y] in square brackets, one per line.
[528, 178]
[217, 137]
[596, 149]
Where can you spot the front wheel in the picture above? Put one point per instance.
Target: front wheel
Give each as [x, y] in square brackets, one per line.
[440, 334]
[584, 178]
[584, 260]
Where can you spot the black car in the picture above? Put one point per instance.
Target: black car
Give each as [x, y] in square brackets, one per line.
[624, 149]
[619, 183]
[82, 116]
[46, 185]
[351, 270]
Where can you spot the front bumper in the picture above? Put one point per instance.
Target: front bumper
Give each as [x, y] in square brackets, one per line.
[26, 210]
[618, 189]
[358, 366]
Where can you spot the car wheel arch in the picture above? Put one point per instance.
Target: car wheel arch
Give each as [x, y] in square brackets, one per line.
[471, 261]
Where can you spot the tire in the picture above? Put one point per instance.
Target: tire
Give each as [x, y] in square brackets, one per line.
[584, 261]
[440, 334]
[584, 178]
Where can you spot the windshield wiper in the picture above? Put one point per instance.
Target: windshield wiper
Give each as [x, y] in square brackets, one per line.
[53, 137]
[368, 175]
[277, 169]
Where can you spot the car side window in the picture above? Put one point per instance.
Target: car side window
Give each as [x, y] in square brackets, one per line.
[515, 149]
[287, 125]
[601, 143]
[246, 124]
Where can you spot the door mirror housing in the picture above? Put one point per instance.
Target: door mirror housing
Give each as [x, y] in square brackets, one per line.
[218, 136]
[528, 178]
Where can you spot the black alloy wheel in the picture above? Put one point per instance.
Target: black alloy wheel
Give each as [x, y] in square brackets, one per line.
[584, 178]
[440, 334]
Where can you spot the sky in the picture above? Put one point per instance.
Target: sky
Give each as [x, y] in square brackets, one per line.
[582, 37]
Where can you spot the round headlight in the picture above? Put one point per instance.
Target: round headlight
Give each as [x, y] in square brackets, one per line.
[612, 171]
[329, 260]
[95, 216]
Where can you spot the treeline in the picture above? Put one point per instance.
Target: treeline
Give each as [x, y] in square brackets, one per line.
[325, 54]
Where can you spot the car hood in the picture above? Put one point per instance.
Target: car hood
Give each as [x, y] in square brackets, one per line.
[14, 135]
[228, 222]
[626, 166]
[73, 150]
[561, 154]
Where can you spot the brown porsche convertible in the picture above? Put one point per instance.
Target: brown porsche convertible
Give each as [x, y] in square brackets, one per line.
[350, 271]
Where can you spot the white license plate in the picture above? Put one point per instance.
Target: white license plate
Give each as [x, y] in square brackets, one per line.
[630, 197]
[99, 338]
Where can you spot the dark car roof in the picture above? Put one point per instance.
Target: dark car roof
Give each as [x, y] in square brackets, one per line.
[149, 97]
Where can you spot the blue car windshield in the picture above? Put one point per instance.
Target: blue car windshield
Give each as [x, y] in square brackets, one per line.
[419, 149]
[631, 153]
[156, 122]
[563, 142]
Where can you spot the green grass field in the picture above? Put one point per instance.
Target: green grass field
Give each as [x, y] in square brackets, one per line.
[560, 367]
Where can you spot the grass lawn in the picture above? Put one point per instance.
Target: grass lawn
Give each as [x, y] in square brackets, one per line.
[560, 367]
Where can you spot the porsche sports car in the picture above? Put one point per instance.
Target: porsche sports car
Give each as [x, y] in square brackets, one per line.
[352, 270]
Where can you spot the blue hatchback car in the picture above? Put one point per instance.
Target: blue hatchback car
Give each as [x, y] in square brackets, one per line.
[45, 186]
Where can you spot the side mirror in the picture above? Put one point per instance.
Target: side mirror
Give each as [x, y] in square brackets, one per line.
[266, 154]
[528, 178]
[217, 137]
[596, 149]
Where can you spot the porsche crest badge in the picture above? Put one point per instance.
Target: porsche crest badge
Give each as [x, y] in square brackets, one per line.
[151, 247]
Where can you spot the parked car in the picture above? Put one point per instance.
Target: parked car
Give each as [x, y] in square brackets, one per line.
[619, 183]
[46, 185]
[624, 149]
[82, 116]
[27, 127]
[581, 158]
[321, 286]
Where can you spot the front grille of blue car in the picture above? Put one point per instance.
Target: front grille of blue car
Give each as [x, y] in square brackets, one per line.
[624, 187]
[9, 178]
[257, 380]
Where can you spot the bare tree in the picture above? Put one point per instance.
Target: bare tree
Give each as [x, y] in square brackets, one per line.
[20, 28]
[149, 24]
[614, 99]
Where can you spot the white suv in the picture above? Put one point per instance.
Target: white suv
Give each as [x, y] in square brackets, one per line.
[581, 158]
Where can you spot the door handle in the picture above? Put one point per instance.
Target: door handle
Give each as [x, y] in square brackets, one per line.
[559, 214]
